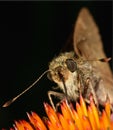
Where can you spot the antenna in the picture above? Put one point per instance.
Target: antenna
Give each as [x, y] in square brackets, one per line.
[101, 60]
[15, 98]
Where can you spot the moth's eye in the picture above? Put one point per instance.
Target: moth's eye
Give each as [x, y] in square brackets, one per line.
[71, 65]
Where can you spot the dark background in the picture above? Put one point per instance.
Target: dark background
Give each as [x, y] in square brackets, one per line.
[32, 33]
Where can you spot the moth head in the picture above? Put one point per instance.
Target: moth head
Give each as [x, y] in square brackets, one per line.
[62, 67]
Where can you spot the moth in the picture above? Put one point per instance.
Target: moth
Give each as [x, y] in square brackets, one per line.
[82, 70]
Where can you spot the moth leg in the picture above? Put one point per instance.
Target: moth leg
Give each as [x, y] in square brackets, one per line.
[93, 92]
[87, 101]
[56, 94]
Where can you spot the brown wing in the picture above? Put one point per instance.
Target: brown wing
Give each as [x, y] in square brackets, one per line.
[87, 43]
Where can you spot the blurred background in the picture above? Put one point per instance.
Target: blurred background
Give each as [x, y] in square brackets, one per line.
[31, 34]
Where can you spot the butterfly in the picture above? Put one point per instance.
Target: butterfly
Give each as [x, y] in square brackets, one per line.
[82, 68]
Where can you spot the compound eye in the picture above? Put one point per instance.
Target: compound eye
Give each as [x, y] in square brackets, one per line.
[71, 65]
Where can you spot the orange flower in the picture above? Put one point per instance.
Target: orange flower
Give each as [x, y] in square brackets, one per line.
[82, 118]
